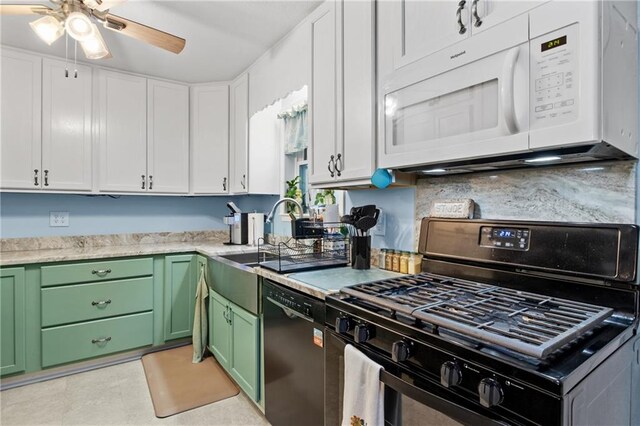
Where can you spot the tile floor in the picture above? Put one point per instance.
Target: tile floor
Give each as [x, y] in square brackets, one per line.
[116, 395]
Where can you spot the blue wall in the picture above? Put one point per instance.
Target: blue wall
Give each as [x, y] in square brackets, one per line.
[27, 215]
[398, 205]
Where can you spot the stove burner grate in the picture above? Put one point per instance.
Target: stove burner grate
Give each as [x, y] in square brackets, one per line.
[527, 323]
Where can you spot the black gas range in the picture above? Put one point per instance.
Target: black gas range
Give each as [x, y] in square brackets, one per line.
[509, 322]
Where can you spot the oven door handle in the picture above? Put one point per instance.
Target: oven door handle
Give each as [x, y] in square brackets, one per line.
[462, 414]
[290, 312]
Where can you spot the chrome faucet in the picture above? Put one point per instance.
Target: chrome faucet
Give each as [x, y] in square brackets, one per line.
[280, 201]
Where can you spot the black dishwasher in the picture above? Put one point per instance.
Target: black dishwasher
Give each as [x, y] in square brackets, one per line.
[293, 356]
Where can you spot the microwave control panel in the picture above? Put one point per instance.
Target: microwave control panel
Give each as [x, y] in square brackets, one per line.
[554, 78]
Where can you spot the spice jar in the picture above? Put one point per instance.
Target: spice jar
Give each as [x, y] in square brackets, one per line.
[381, 258]
[388, 260]
[396, 261]
[404, 262]
[415, 264]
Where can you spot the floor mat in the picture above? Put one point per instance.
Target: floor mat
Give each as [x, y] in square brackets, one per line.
[177, 385]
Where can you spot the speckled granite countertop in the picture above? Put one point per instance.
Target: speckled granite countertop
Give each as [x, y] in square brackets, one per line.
[25, 251]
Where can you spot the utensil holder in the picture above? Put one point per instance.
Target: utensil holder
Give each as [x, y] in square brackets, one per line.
[361, 252]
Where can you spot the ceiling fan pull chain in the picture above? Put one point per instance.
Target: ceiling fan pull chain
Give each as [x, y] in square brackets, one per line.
[66, 54]
[75, 59]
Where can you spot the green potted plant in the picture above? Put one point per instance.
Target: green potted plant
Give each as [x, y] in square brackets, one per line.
[292, 191]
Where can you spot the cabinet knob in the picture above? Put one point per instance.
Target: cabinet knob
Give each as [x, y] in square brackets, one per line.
[35, 177]
[103, 340]
[339, 165]
[243, 182]
[46, 178]
[224, 184]
[144, 183]
[101, 303]
[474, 12]
[150, 182]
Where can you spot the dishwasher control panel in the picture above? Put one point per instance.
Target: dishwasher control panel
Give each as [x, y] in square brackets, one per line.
[290, 299]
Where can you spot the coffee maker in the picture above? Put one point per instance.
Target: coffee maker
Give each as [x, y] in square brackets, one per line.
[238, 225]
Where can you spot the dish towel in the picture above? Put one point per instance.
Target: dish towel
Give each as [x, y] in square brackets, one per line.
[363, 399]
[200, 331]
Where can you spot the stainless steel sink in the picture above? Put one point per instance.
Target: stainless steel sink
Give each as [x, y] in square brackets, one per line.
[248, 259]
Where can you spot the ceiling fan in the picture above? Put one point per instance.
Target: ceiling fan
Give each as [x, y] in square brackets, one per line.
[79, 17]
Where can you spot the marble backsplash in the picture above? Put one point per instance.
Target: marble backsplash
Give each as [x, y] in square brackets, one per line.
[87, 241]
[593, 192]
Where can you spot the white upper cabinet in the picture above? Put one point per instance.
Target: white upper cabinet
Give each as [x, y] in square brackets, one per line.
[356, 144]
[20, 121]
[66, 126]
[122, 111]
[409, 30]
[343, 93]
[210, 139]
[239, 135]
[167, 137]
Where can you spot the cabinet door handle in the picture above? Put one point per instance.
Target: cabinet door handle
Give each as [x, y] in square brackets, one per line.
[150, 182]
[463, 28]
[101, 272]
[332, 171]
[35, 177]
[339, 167]
[144, 183]
[474, 12]
[46, 178]
[224, 184]
[242, 182]
[101, 303]
[103, 340]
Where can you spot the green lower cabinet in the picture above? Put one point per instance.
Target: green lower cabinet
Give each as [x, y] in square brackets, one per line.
[12, 320]
[219, 329]
[180, 279]
[96, 338]
[235, 342]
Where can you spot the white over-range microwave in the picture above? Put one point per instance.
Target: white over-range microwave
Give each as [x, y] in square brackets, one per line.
[555, 82]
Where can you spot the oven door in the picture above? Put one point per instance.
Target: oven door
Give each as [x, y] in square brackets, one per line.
[409, 399]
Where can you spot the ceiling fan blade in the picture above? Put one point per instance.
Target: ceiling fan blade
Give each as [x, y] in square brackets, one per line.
[23, 9]
[144, 33]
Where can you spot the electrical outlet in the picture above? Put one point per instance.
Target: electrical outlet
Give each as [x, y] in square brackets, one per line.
[381, 226]
[58, 219]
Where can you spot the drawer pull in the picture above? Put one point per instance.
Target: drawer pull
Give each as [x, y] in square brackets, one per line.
[101, 303]
[103, 340]
[101, 272]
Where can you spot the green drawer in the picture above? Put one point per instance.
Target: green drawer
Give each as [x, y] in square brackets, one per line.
[96, 271]
[82, 302]
[80, 341]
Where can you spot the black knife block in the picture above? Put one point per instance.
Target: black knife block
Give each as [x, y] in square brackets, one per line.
[361, 252]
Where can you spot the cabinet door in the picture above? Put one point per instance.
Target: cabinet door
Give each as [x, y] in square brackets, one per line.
[419, 28]
[244, 359]
[356, 143]
[20, 121]
[66, 126]
[210, 139]
[123, 132]
[179, 295]
[489, 13]
[168, 137]
[12, 326]
[322, 107]
[238, 158]
[219, 329]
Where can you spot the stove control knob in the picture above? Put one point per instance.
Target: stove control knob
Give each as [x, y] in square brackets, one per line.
[450, 374]
[362, 333]
[490, 392]
[343, 324]
[401, 350]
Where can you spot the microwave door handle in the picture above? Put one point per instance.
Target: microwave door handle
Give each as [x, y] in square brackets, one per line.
[507, 90]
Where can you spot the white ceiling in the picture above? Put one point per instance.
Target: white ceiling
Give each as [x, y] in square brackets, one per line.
[223, 37]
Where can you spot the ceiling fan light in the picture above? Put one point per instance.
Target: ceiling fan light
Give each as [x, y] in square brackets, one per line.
[79, 26]
[48, 28]
[95, 47]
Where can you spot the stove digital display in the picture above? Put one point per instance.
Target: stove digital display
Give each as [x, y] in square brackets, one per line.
[505, 238]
